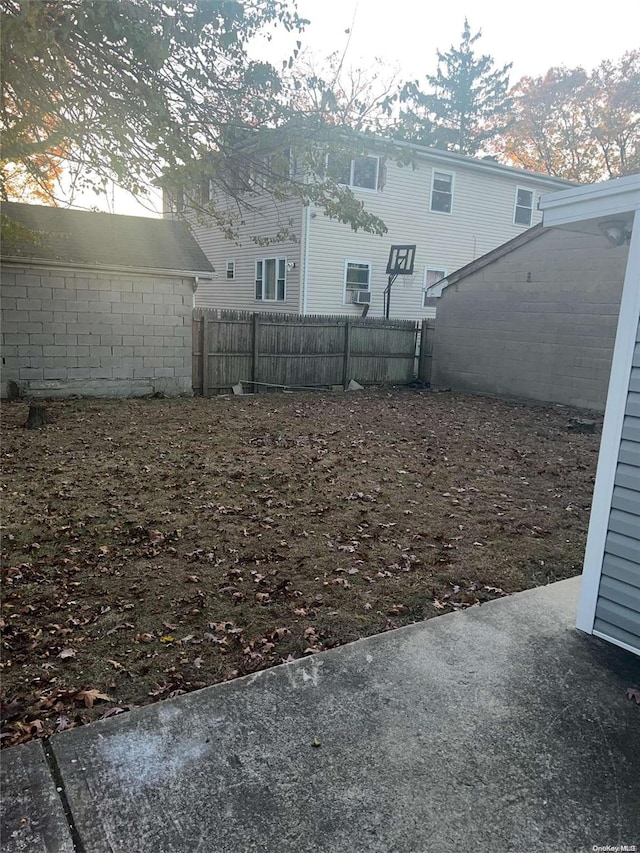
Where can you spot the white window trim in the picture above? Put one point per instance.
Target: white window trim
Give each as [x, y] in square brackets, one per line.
[233, 270]
[515, 206]
[433, 291]
[453, 189]
[255, 278]
[348, 261]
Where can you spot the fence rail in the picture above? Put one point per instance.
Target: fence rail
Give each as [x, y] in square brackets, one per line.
[262, 350]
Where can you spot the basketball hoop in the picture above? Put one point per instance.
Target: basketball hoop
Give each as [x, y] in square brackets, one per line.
[401, 260]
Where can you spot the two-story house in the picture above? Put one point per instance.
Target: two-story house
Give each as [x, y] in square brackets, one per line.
[453, 208]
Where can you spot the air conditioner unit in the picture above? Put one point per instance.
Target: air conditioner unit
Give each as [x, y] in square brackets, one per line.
[362, 297]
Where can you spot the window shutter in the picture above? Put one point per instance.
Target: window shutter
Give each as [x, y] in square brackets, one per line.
[382, 175]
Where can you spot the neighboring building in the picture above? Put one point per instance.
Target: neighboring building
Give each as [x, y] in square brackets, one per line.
[534, 318]
[96, 304]
[609, 604]
[454, 208]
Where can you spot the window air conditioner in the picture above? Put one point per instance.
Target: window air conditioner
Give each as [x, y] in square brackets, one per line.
[362, 297]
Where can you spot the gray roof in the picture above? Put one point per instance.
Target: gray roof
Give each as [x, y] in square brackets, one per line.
[101, 239]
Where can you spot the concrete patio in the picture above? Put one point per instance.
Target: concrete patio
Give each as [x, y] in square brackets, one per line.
[499, 728]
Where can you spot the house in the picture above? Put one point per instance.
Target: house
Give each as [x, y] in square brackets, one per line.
[96, 304]
[609, 605]
[453, 208]
[534, 318]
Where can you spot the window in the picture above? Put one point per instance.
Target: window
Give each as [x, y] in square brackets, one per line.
[205, 190]
[431, 276]
[231, 269]
[442, 192]
[271, 275]
[523, 212]
[357, 278]
[363, 172]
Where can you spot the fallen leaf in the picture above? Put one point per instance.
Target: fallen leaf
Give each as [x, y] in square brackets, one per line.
[67, 653]
[633, 693]
[91, 696]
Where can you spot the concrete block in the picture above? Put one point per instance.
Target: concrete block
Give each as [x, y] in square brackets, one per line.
[39, 316]
[31, 373]
[101, 373]
[131, 297]
[111, 340]
[121, 351]
[152, 361]
[131, 340]
[66, 339]
[122, 372]
[29, 304]
[173, 362]
[9, 291]
[30, 351]
[143, 286]
[23, 338]
[49, 351]
[152, 341]
[9, 303]
[100, 351]
[142, 372]
[55, 373]
[163, 372]
[132, 361]
[78, 352]
[10, 351]
[62, 361]
[31, 280]
[121, 285]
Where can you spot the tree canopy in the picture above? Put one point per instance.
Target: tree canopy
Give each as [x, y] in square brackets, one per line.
[137, 91]
[575, 125]
[467, 104]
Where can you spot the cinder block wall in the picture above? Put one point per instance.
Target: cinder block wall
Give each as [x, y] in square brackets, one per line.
[540, 322]
[93, 333]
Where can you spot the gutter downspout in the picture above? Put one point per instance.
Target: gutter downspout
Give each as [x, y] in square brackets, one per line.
[305, 259]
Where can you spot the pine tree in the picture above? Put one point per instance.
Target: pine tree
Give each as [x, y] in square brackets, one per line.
[467, 105]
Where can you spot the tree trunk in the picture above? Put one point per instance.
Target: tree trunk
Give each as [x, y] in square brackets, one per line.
[38, 417]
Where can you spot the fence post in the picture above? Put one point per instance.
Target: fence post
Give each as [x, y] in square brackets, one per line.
[254, 351]
[205, 356]
[346, 364]
[426, 350]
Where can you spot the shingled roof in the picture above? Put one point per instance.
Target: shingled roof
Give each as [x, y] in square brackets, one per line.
[101, 239]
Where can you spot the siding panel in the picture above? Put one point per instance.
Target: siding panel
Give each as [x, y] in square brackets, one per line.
[622, 570]
[627, 500]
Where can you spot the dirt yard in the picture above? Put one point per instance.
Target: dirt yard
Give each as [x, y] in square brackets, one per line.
[154, 547]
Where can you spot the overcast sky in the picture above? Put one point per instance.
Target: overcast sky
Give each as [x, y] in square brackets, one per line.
[405, 34]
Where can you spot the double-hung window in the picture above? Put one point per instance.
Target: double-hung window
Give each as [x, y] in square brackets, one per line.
[271, 279]
[362, 172]
[441, 192]
[523, 210]
[357, 278]
[231, 269]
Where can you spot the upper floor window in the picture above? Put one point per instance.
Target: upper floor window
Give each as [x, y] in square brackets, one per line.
[442, 192]
[271, 279]
[523, 211]
[362, 172]
[231, 269]
[357, 278]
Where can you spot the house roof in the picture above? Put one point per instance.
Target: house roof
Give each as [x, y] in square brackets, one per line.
[451, 159]
[483, 261]
[85, 238]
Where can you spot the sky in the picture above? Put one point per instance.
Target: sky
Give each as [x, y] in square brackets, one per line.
[406, 34]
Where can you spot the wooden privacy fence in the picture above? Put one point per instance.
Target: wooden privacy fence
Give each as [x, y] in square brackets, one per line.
[270, 350]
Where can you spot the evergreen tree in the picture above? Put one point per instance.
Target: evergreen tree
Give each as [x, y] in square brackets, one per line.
[467, 105]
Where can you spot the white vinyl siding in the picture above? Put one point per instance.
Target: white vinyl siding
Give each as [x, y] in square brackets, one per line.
[441, 192]
[472, 229]
[266, 219]
[523, 208]
[271, 278]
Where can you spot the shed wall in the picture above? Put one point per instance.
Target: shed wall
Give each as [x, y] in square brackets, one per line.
[539, 323]
[94, 333]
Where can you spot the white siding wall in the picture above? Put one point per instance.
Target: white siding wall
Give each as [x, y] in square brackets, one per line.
[481, 219]
[267, 219]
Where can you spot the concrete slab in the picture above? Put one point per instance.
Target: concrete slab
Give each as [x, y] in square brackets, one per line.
[33, 820]
[496, 729]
